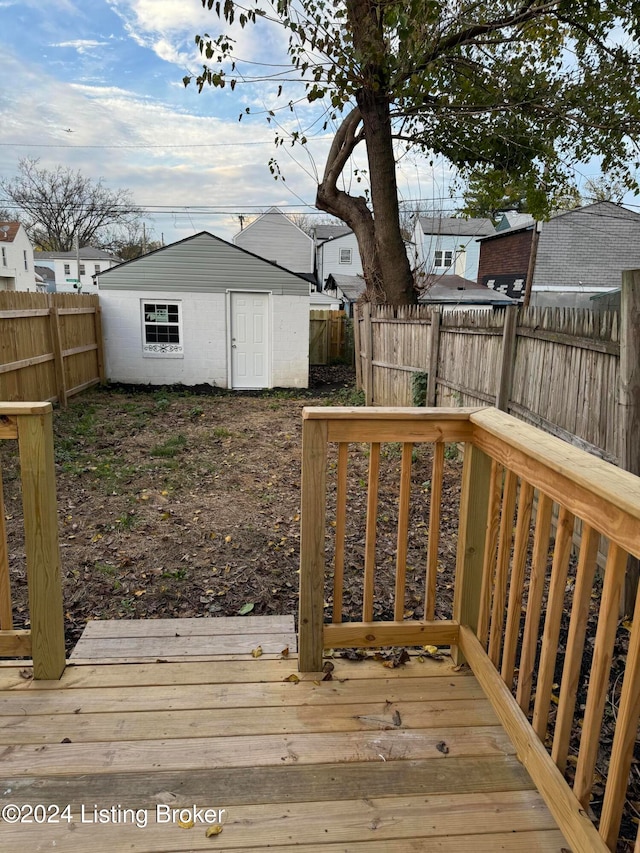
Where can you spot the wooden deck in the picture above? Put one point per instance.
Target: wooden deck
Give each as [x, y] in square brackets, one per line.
[373, 760]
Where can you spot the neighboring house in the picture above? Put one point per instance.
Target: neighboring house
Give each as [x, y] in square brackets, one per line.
[276, 238]
[64, 265]
[337, 252]
[453, 292]
[347, 288]
[48, 278]
[17, 270]
[447, 245]
[203, 311]
[580, 253]
[323, 302]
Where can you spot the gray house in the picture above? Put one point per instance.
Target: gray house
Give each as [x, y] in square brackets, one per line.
[277, 238]
[203, 311]
[579, 253]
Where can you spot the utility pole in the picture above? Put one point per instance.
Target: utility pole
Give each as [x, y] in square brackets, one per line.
[76, 240]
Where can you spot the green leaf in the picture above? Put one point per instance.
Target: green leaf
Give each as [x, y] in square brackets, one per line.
[247, 607]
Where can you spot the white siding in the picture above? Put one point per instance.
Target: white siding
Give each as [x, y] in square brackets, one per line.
[329, 257]
[13, 275]
[276, 238]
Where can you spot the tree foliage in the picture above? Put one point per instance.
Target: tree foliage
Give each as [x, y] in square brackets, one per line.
[56, 206]
[517, 90]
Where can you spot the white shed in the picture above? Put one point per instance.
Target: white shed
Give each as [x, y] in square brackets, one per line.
[203, 311]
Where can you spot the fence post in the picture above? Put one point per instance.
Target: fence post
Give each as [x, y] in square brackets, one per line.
[368, 346]
[629, 405]
[35, 441]
[474, 506]
[312, 531]
[357, 345]
[56, 344]
[507, 358]
[434, 349]
[100, 351]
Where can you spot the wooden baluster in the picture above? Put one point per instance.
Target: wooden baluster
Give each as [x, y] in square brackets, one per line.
[341, 520]
[624, 740]
[6, 612]
[437, 473]
[534, 601]
[575, 644]
[555, 607]
[403, 530]
[312, 532]
[370, 541]
[490, 551]
[514, 610]
[600, 668]
[502, 567]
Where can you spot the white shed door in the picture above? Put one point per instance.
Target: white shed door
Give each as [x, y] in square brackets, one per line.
[249, 340]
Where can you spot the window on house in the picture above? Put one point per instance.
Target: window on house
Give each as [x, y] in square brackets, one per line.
[26, 262]
[4, 257]
[96, 268]
[161, 329]
[67, 269]
[81, 269]
[345, 256]
[443, 258]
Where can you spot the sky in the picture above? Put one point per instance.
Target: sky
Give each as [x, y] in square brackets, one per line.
[98, 87]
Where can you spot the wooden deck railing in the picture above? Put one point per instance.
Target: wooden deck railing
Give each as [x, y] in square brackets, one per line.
[513, 584]
[31, 425]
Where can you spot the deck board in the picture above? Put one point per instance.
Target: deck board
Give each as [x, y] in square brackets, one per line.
[376, 759]
[164, 638]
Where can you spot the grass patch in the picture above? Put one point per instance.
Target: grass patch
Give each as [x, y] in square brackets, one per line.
[170, 448]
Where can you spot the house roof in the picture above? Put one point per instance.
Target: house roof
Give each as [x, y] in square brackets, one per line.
[330, 232]
[456, 290]
[272, 211]
[512, 219]
[87, 253]
[456, 226]
[45, 272]
[352, 286]
[8, 236]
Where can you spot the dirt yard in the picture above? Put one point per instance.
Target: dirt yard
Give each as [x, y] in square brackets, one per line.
[180, 504]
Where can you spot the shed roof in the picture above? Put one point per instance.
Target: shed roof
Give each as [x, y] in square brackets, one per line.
[456, 226]
[330, 232]
[352, 286]
[456, 290]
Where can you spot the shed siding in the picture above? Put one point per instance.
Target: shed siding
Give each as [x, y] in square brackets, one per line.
[274, 237]
[204, 335]
[202, 264]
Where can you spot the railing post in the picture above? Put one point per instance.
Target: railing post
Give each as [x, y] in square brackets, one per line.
[312, 554]
[474, 505]
[35, 440]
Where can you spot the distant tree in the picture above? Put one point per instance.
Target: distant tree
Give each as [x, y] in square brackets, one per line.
[59, 205]
[130, 241]
[6, 215]
[604, 189]
[524, 87]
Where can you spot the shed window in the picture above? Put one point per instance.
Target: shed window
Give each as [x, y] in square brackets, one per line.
[345, 256]
[442, 258]
[162, 329]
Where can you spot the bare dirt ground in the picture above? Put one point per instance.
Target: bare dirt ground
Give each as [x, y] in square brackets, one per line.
[173, 503]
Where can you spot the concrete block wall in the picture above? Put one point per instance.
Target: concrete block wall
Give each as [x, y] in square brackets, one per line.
[290, 342]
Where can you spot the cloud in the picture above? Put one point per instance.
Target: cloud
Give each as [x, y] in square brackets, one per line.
[83, 46]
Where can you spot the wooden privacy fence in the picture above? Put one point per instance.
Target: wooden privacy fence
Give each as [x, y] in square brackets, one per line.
[513, 584]
[50, 345]
[328, 338]
[31, 425]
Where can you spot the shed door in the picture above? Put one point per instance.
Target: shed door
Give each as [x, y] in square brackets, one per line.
[249, 340]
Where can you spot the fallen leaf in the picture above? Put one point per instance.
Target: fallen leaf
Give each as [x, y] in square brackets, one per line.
[293, 678]
[216, 829]
[285, 652]
[185, 824]
[246, 608]
[257, 652]
[442, 747]
[397, 719]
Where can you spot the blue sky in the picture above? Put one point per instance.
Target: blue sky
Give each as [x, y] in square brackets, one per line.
[98, 87]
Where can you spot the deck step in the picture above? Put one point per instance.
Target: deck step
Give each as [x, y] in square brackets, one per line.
[167, 639]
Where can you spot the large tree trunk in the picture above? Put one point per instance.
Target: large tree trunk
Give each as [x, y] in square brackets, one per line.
[384, 258]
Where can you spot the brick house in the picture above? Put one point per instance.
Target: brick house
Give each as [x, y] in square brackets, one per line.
[580, 253]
